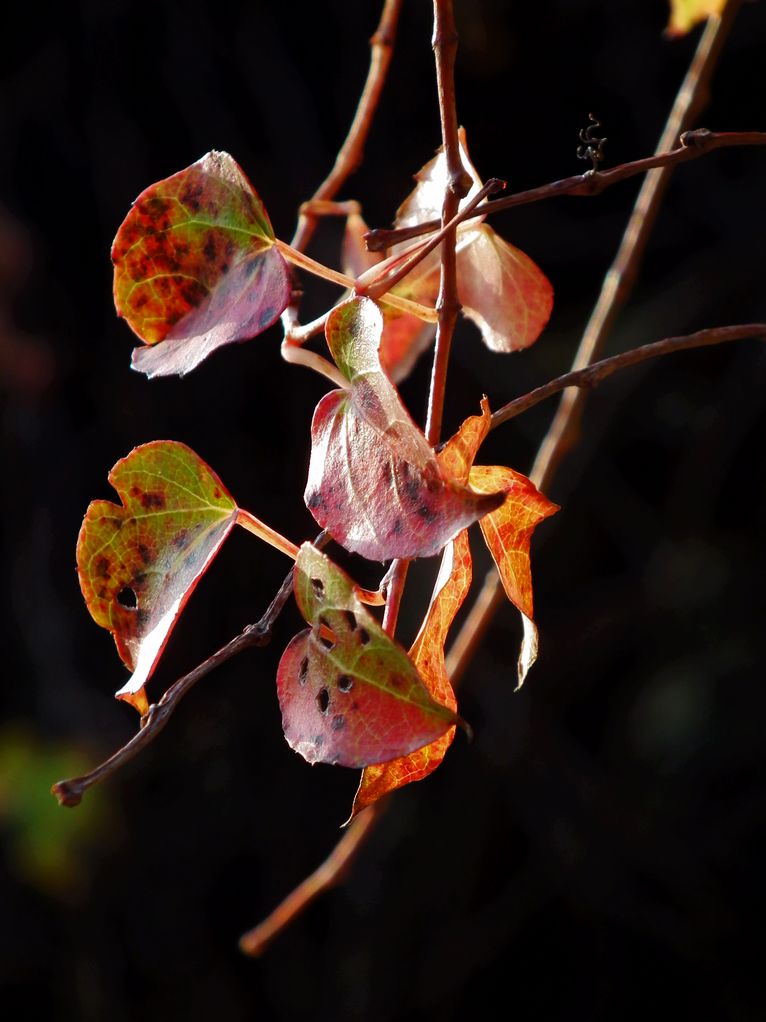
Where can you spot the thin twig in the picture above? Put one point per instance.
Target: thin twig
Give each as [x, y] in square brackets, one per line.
[621, 276]
[351, 152]
[444, 44]
[70, 792]
[326, 876]
[693, 145]
[598, 371]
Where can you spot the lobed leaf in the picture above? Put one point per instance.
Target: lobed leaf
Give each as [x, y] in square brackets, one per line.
[427, 652]
[348, 693]
[508, 535]
[138, 562]
[195, 266]
[374, 482]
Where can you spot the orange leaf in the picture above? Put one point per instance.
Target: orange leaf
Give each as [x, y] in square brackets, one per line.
[508, 535]
[427, 652]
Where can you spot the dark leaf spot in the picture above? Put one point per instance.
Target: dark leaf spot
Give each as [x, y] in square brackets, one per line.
[304, 670]
[318, 586]
[156, 499]
[338, 722]
[127, 598]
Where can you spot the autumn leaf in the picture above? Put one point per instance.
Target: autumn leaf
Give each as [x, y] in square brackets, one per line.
[374, 482]
[508, 535]
[427, 652]
[348, 693]
[139, 561]
[195, 266]
[500, 288]
[685, 14]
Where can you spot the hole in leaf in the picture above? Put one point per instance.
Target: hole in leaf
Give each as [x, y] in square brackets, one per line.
[351, 618]
[345, 683]
[318, 586]
[304, 670]
[326, 634]
[364, 636]
[127, 598]
[323, 700]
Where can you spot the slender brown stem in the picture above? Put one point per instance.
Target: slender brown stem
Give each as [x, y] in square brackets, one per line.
[70, 792]
[330, 873]
[598, 371]
[445, 40]
[693, 145]
[351, 152]
[621, 276]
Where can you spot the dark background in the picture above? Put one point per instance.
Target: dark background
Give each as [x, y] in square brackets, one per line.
[596, 851]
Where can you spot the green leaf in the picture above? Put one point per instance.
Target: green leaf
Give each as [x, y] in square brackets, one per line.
[349, 694]
[195, 266]
[139, 562]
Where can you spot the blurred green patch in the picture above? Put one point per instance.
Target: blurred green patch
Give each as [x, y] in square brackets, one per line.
[44, 844]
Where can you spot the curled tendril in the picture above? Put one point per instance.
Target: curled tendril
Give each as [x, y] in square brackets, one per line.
[591, 147]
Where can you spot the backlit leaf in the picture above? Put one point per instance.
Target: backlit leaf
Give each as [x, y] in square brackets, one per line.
[195, 267]
[427, 652]
[500, 288]
[374, 482]
[139, 561]
[685, 14]
[508, 535]
[348, 693]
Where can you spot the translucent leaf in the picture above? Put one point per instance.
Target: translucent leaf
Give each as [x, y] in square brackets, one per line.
[195, 267]
[427, 652]
[349, 694]
[685, 14]
[139, 561]
[508, 535]
[501, 290]
[374, 481]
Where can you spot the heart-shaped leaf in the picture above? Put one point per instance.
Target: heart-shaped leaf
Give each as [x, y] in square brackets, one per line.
[374, 482]
[508, 535]
[139, 562]
[349, 694]
[427, 652]
[195, 266]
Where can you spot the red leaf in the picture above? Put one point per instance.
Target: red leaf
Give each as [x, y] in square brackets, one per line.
[139, 562]
[374, 482]
[349, 695]
[427, 652]
[508, 535]
[195, 267]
